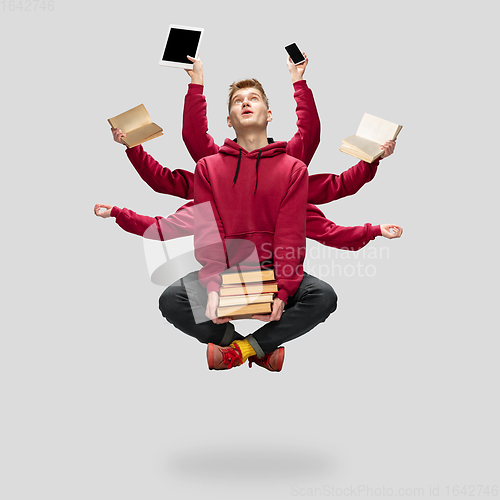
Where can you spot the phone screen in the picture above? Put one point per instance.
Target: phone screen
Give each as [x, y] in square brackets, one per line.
[294, 53]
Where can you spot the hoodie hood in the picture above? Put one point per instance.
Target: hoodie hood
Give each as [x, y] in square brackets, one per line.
[231, 148]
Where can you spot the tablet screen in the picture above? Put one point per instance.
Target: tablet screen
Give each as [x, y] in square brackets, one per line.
[181, 43]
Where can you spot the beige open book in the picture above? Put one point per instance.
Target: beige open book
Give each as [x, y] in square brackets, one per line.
[137, 124]
[371, 134]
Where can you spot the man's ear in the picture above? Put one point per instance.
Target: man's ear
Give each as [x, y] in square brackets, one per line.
[229, 124]
[269, 116]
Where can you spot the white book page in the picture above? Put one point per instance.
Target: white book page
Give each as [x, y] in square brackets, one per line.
[132, 119]
[368, 147]
[376, 129]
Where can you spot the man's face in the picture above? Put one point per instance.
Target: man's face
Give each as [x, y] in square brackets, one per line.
[248, 111]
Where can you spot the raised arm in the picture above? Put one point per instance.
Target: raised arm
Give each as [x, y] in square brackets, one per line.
[304, 143]
[177, 182]
[195, 134]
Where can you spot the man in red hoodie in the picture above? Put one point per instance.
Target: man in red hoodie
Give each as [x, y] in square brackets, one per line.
[323, 188]
[330, 187]
[256, 194]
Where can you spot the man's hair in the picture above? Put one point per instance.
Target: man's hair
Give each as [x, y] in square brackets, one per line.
[245, 84]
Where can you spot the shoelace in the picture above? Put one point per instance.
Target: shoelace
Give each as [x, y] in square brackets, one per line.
[231, 357]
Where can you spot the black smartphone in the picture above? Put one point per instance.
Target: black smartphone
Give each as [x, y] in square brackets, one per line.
[295, 54]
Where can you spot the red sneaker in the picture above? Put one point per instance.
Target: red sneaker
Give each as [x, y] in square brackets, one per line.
[223, 358]
[272, 361]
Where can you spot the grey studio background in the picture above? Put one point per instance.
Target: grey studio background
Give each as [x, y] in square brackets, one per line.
[395, 395]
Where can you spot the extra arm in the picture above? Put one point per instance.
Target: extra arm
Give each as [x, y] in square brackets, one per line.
[174, 226]
[326, 232]
[195, 134]
[324, 188]
[349, 237]
[304, 143]
[163, 180]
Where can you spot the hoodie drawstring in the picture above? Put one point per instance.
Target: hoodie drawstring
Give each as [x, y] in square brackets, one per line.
[257, 171]
[237, 168]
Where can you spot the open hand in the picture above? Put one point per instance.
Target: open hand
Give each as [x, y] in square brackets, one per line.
[391, 231]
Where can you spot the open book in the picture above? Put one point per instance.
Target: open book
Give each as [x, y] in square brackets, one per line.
[137, 124]
[371, 134]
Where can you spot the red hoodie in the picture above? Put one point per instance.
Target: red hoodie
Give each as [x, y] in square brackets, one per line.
[200, 143]
[322, 187]
[258, 197]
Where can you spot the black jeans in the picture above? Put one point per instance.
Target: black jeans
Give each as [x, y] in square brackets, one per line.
[311, 304]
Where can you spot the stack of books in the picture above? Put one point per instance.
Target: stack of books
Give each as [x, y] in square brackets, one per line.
[246, 293]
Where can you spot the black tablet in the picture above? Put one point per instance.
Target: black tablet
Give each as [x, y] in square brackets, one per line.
[181, 41]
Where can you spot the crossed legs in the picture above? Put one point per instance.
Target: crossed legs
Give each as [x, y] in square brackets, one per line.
[183, 305]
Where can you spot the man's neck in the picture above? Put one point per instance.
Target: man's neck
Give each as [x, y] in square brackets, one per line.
[251, 141]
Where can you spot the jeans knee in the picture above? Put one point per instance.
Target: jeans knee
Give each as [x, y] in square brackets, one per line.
[332, 300]
[166, 303]
[329, 299]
